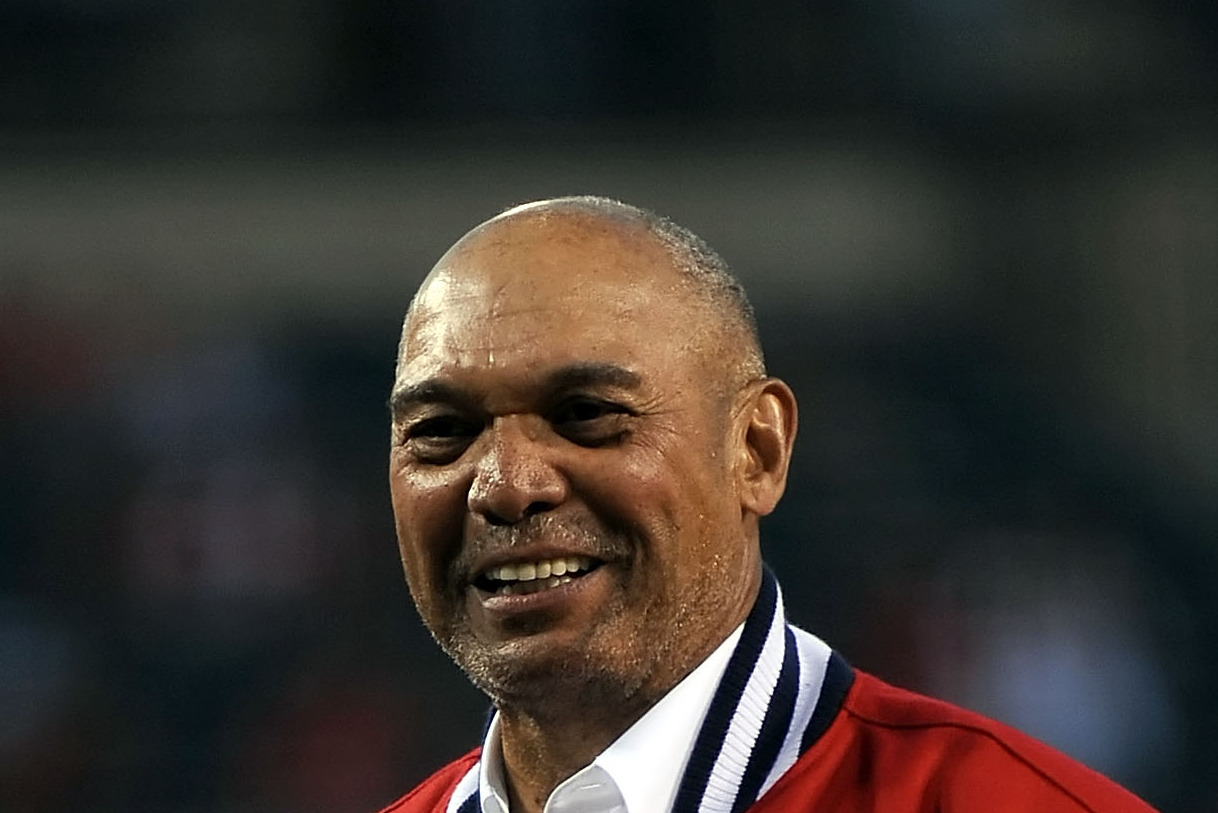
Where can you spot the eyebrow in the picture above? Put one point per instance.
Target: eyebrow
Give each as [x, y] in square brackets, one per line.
[593, 373]
[569, 377]
[431, 391]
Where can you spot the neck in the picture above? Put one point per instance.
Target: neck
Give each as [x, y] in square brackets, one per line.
[540, 752]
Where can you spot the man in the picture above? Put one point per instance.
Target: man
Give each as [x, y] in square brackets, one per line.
[584, 440]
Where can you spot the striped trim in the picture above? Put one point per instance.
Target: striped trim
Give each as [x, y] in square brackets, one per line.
[712, 738]
[813, 659]
[465, 794]
[749, 718]
[839, 677]
[773, 729]
[780, 691]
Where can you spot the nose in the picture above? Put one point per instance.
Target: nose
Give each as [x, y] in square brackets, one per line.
[514, 478]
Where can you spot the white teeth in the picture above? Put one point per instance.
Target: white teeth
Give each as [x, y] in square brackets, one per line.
[550, 572]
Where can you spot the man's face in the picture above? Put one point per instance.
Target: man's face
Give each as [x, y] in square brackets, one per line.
[560, 407]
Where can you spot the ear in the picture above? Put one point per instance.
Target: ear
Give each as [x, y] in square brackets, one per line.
[769, 416]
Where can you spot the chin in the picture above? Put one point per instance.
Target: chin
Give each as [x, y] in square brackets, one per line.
[539, 679]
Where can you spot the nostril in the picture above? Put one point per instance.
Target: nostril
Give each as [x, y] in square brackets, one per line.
[538, 507]
[494, 519]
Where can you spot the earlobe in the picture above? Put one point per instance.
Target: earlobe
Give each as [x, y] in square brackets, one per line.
[771, 418]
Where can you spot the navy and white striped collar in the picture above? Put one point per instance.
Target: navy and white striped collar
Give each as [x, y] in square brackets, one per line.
[780, 691]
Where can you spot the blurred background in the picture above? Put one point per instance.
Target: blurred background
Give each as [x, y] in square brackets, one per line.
[981, 238]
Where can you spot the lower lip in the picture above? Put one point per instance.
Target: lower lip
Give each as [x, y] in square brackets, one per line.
[548, 599]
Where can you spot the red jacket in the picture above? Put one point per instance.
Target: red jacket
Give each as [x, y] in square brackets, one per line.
[892, 751]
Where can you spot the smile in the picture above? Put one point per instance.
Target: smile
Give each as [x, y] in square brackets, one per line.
[523, 578]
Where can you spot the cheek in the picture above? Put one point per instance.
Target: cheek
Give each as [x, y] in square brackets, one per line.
[429, 513]
[683, 479]
[695, 516]
[675, 504]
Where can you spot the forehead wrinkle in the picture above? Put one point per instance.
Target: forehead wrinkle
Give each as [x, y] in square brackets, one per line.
[515, 313]
[459, 316]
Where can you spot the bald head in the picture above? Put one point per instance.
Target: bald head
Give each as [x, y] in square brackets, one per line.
[656, 248]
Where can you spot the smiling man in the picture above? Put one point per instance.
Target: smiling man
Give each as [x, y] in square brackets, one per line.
[584, 441]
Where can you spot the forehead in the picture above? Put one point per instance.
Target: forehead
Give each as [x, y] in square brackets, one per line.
[544, 290]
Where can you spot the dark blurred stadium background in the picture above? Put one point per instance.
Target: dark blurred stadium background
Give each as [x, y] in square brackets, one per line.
[982, 236]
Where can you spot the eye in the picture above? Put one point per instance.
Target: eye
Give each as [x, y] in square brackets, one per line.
[443, 426]
[590, 421]
[441, 438]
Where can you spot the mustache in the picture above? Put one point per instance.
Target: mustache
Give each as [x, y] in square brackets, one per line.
[574, 534]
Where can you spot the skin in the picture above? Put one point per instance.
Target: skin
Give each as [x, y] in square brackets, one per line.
[562, 389]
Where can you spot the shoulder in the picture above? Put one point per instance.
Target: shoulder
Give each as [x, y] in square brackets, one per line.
[433, 793]
[891, 749]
